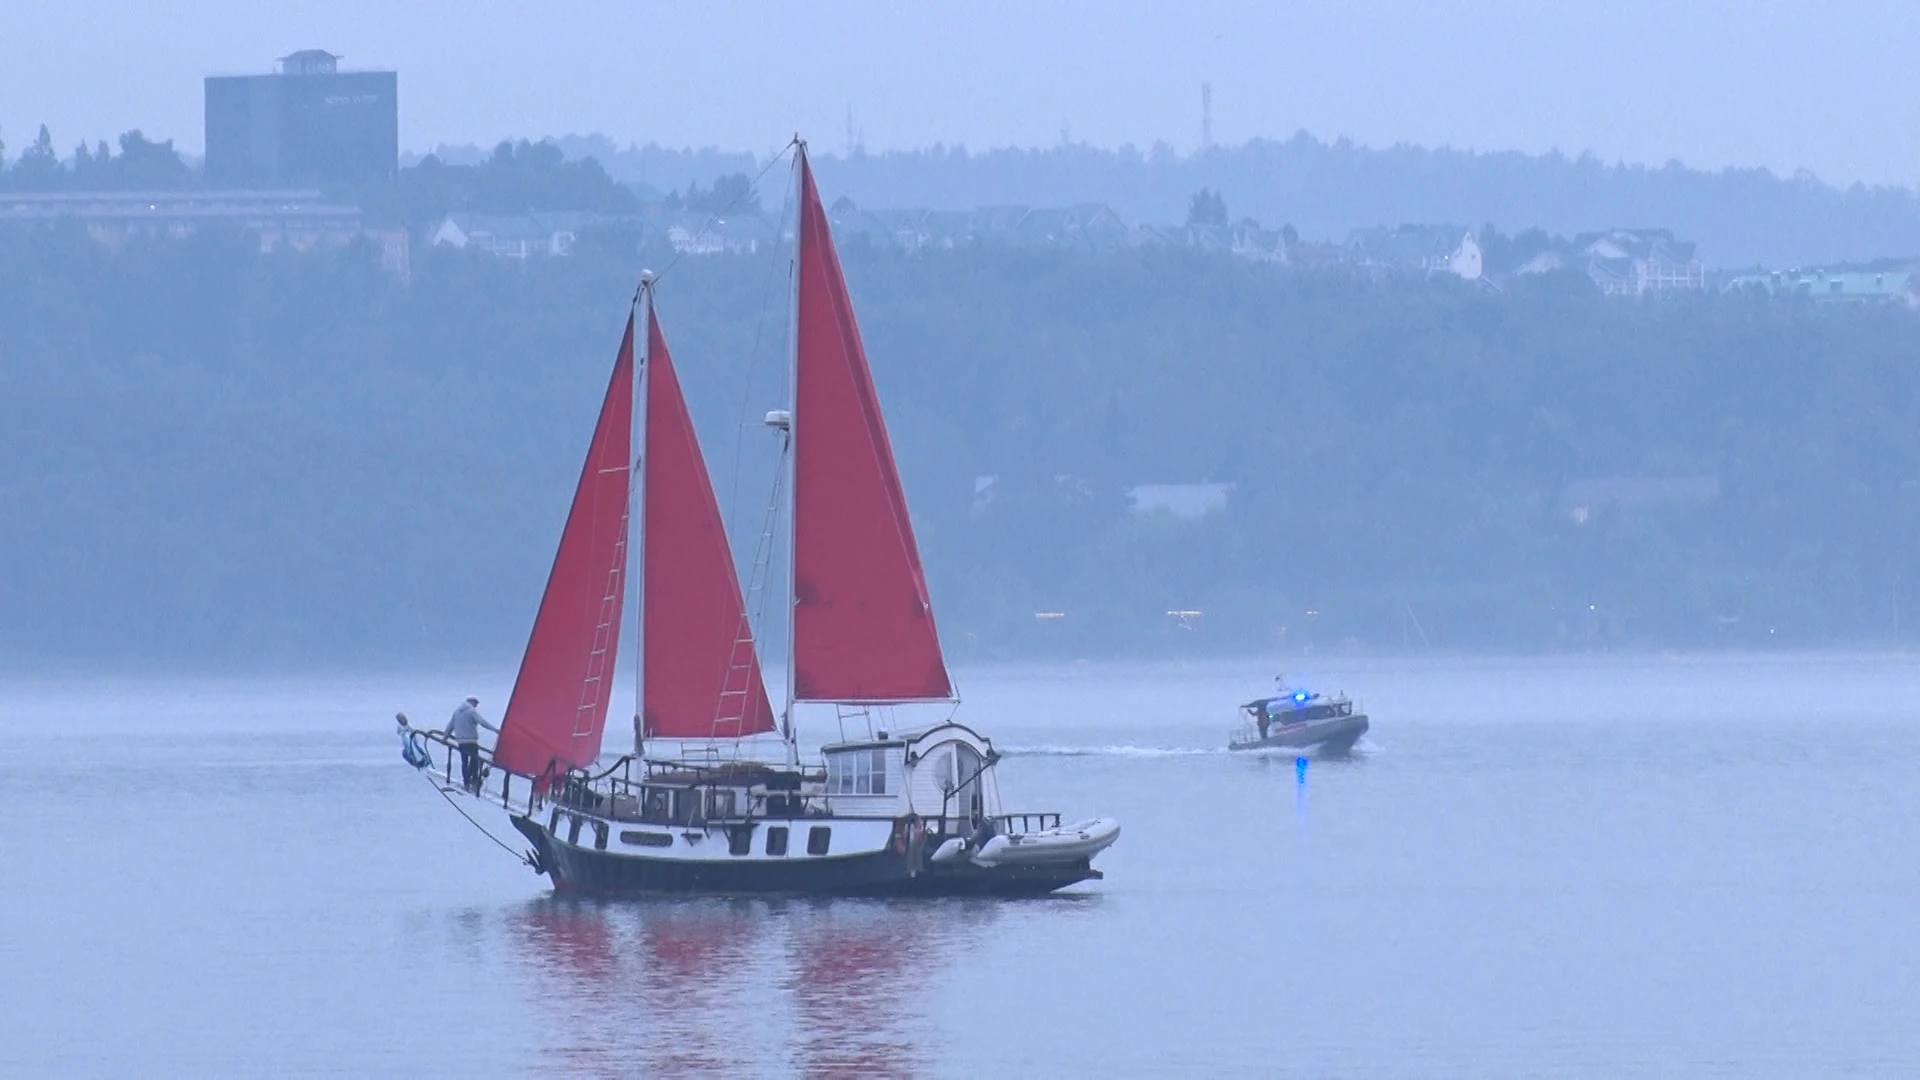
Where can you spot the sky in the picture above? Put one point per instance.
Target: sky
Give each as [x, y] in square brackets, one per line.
[1820, 86]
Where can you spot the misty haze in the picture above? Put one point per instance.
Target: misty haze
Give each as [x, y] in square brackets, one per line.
[1363, 541]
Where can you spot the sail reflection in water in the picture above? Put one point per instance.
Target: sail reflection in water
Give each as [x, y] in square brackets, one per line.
[863, 972]
[671, 987]
[819, 988]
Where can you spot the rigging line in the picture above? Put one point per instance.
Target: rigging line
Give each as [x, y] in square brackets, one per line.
[753, 357]
[725, 210]
[483, 829]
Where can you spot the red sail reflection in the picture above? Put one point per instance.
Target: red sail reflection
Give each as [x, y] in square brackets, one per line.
[860, 971]
[654, 988]
[825, 988]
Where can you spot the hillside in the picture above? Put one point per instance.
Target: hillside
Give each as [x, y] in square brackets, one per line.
[215, 457]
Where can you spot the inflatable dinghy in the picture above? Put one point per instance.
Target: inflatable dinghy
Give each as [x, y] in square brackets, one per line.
[1069, 843]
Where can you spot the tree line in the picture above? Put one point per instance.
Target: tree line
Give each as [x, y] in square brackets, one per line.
[517, 177]
[140, 165]
[1324, 189]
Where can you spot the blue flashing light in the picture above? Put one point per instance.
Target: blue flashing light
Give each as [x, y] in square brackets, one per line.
[1300, 696]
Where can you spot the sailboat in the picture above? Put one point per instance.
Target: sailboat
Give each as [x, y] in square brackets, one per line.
[906, 812]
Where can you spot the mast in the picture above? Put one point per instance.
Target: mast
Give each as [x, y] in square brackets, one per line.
[636, 498]
[787, 444]
[700, 670]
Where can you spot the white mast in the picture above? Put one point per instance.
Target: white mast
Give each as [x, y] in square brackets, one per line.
[636, 498]
[790, 447]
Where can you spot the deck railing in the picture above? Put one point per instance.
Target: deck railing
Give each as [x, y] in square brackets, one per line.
[606, 794]
[515, 792]
[1015, 824]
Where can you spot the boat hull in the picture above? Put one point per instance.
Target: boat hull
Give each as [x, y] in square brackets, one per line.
[577, 869]
[1334, 735]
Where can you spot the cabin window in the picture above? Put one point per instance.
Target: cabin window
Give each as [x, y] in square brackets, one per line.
[686, 807]
[720, 803]
[573, 829]
[600, 836]
[553, 822]
[658, 805]
[646, 839]
[818, 838]
[857, 772]
[776, 840]
[740, 840]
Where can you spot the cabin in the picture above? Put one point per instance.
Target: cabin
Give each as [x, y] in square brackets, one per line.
[944, 774]
[867, 790]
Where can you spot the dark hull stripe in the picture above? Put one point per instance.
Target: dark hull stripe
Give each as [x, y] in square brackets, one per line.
[585, 870]
[1332, 736]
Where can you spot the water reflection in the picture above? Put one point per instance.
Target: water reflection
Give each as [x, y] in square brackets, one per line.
[622, 987]
[862, 978]
[740, 987]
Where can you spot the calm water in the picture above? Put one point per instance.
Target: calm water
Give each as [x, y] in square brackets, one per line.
[1599, 868]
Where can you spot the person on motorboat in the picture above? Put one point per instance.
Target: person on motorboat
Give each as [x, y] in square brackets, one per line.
[464, 728]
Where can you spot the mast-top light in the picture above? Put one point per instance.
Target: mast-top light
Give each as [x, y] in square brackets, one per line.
[780, 420]
[646, 277]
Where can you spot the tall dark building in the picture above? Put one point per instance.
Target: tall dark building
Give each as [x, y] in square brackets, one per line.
[309, 124]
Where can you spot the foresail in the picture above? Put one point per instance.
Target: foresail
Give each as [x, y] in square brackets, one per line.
[862, 625]
[701, 674]
[558, 709]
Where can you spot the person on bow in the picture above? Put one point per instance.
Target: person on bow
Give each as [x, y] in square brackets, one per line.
[413, 748]
[464, 729]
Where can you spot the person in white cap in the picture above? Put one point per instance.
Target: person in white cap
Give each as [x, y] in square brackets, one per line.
[465, 730]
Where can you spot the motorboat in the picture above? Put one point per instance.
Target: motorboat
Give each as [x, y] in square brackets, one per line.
[1299, 719]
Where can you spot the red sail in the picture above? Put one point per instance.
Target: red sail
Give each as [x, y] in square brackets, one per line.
[862, 625]
[560, 699]
[701, 674]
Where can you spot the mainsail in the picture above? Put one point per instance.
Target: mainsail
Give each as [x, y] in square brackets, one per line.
[700, 673]
[862, 625]
[558, 708]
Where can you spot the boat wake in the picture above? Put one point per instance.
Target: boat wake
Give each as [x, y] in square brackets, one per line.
[1111, 751]
[1365, 748]
[1362, 750]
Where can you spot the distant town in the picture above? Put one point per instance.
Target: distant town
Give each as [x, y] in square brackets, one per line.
[307, 157]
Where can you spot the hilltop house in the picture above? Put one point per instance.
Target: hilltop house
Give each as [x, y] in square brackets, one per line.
[1420, 249]
[1580, 499]
[1898, 285]
[1091, 226]
[1641, 262]
[517, 237]
[1187, 502]
[278, 220]
[735, 234]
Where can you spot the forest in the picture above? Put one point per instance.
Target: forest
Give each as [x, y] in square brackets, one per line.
[214, 457]
[1325, 188]
[1322, 189]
